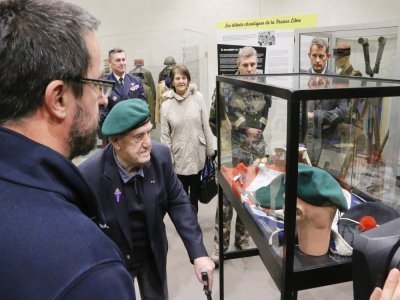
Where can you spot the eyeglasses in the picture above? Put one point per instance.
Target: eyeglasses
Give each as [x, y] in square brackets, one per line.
[105, 86]
[137, 138]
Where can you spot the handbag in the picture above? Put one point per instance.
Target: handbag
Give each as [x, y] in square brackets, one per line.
[208, 184]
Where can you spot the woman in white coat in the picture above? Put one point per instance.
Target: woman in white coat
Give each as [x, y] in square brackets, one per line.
[186, 131]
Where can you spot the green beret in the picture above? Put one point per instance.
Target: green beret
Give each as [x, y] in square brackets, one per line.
[314, 186]
[125, 116]
[273, 195]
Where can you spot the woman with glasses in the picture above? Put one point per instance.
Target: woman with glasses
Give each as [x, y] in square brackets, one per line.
[186, 131]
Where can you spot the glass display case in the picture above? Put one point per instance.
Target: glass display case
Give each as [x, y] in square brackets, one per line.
[269, 127]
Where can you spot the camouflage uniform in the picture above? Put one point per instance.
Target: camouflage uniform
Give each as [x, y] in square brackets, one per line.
[241, 234]
[246, 109]
[243, 109]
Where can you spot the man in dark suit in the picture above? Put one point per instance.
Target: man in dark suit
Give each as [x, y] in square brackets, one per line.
[134, 179]
[126, 86]
[323, 116]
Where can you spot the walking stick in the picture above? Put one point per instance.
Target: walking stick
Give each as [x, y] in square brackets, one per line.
[207, 291]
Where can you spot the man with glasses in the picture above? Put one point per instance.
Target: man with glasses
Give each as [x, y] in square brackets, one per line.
[51, 244]
[136, 184]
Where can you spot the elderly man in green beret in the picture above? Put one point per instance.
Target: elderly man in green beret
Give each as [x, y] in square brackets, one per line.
[135, 182]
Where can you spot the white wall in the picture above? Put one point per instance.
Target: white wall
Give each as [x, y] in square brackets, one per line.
[131, 24]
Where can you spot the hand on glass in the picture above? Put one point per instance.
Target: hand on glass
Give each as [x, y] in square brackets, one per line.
[391, 289]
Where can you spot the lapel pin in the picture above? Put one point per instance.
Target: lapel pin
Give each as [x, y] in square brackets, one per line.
[117, 194]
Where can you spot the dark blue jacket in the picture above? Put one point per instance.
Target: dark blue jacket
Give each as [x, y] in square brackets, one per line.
[49, 249]
[163, 193]
[132, 88]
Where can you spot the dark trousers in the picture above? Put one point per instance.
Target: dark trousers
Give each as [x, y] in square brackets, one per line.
[150, 285]
[191, 185]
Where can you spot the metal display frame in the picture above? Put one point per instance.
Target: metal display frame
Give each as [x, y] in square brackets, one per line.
[295, 271]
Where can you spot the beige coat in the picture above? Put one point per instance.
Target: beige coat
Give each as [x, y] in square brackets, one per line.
[185, 130]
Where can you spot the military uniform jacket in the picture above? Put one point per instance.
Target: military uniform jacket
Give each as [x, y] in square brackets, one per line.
[350, 72]
[132, 88]
[163, 193]
[148, 78]
[49, 248]
[246, 109]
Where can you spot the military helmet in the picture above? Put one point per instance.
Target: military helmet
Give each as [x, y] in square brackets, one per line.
[169, 61]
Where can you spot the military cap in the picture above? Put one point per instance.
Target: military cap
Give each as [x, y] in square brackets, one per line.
[341, 50]
[138, 62]
[125, 116]
[352, 223]
[314, 186]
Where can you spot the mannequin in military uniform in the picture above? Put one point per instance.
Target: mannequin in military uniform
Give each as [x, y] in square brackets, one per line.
[148, 84]
[169, 63]
[352, 128]
[342, 60]
[164, 83]
[247, 113]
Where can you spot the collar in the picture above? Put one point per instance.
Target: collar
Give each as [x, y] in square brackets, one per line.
[118, 77]
[25, 155]
[190, 91]
[323, 71]
[126, 176]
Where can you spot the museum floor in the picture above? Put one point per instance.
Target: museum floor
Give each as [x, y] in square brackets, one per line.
[245, 278]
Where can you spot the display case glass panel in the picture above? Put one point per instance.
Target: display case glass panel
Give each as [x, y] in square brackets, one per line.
[268, 124]
[373, 49]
